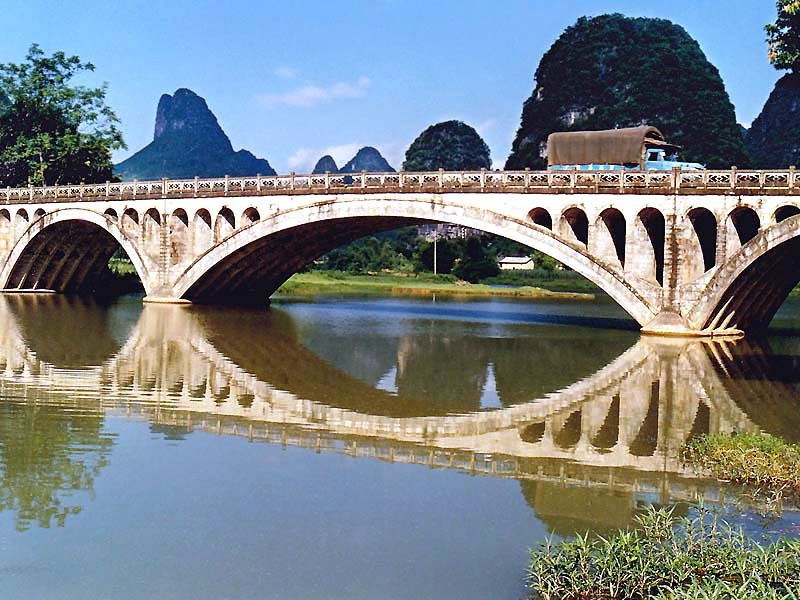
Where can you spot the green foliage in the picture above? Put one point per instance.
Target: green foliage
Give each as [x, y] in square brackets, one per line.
[613, 71]
[366, 255]
[774, 137]
[751, 459]
[450, 145]
[477, 262]
[783, 36]
[666, 557]
[447, 253]
[53, 132]
[543, 278]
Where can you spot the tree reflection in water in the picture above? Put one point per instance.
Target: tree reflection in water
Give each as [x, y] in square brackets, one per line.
[49, 458]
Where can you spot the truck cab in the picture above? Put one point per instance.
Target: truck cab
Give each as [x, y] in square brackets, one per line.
[656, 159]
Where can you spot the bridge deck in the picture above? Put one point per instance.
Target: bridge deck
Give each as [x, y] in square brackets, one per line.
[732, 182]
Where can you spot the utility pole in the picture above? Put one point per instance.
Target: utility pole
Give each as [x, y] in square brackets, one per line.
[435, 238]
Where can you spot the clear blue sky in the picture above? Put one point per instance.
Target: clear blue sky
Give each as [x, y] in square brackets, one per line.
[290, 81]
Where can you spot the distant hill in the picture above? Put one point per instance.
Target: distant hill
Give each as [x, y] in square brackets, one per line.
[774, 137]
[450, 145]
[188, 142]
[325, 164]
[613, 71]
[367, 159]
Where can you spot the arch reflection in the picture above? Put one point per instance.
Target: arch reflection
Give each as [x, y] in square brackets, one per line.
[617, 430]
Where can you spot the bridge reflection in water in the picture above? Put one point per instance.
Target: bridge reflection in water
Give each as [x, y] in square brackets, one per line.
[585, 451]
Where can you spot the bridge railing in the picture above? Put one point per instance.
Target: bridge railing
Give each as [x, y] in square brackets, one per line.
[732, 181]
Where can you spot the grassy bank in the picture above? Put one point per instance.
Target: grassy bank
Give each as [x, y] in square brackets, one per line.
[557, 281]
[667, 558]
[335, 282]
[759, 460]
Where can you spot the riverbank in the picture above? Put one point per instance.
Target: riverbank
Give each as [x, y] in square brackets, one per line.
[761, 460]
[315, 283]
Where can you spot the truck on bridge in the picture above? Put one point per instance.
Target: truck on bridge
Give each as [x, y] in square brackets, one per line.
[631, 148]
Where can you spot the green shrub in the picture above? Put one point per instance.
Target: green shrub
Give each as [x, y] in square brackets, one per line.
[667, 558]
[750, 459]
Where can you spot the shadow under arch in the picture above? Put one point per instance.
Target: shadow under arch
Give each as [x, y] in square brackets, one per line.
[67, 250]
[747, 291]
[255, 261]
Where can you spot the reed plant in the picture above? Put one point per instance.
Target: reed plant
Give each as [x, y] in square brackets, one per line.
[667, 558]
[761, 460]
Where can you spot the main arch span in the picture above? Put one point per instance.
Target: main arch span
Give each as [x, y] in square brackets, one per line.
[704, 253]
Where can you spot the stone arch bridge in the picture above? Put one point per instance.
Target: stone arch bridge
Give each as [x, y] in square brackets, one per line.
[706, 252]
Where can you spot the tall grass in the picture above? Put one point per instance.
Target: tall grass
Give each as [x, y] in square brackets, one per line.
[761, 460]
[667, 558]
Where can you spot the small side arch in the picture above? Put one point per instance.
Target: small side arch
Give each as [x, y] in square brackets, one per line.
[646, 254]
[703, 244]
[786, 212]
[21, 218]
[742, 225]
[609, 239]
[541, 217]
[250, 216]
[575, 224]
[38, 213]
[225, 224]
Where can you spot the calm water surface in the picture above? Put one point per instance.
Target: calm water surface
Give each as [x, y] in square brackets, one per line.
[346, 448]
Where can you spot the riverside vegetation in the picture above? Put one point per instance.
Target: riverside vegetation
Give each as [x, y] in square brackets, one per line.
[667, 557]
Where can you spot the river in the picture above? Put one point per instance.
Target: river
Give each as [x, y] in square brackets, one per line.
[351, 448]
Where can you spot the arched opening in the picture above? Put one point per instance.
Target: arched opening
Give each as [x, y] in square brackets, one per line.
[6, 240]
[785, 212]
[151, 233]
[224, 224]
[179, 236]
[254, 262]
[152, 216]
[179, 215]
[21, 218]
[610, 239]
[751, 300]
[110, 213]
[38, 213]
[704, 243]
[202, 234]
[250, 216]
[570, 433]
[742, 225]
[647, 250]
[541, 217]
[71, 256]
[130, 222]
[575, 224]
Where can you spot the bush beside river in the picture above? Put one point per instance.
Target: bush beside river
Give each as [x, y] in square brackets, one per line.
[761, 460]
[667, 558]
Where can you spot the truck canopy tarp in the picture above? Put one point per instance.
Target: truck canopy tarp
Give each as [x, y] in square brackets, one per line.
[610, 146]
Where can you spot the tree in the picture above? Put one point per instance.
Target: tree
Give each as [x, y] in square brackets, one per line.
[477, 262]
[53, 132]
[447, 252]
[783, 36]
[450, 145]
